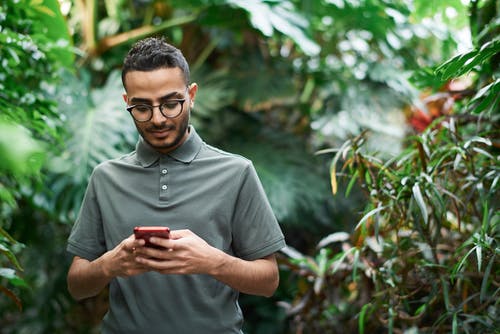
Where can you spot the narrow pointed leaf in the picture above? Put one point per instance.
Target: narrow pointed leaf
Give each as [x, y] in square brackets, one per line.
[417, 194]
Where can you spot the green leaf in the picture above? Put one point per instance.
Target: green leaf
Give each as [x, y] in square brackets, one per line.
[10, 255]
[292, 25]
[459, 266]
[417, 195]
[368, 215]
[216, 92]
[362, 317]
[7, 197]
[340, 258]
[486, 97]
[7, 236]
[479, 255]
[295, 187]
[486, 280]
[20, 158]
[391, 320]
[446, 293]
[489, 28]
[421, 309]
[281, 17]
[465, 62]
[351, 183]
[56, 30]
[99, 129]
[452, 67]
[486, 221]
[355, 265]
[323, 264]
[12, 277]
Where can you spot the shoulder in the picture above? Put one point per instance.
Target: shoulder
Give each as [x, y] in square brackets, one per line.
[224, 157]
[232, 167]
[114, 165]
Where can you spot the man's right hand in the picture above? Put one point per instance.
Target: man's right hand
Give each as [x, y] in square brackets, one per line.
[88, 278]
[120, 261]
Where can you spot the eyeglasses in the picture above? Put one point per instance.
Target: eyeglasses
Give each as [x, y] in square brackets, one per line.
[144, 112]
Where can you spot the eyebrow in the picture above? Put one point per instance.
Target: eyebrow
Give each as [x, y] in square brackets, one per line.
[138, 100]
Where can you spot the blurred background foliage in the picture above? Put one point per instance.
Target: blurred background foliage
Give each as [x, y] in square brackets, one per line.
[373, 125]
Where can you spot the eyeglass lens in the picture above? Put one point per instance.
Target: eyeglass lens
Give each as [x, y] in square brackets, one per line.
[144, 112]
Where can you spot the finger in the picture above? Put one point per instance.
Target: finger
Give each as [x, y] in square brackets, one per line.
[138, 243]
[131, 242]
[162, 242]
[153, 263]
[177, 234]
[133, 248]
[150, 252]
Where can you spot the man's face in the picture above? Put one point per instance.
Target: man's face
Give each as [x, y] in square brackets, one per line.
[154, 88]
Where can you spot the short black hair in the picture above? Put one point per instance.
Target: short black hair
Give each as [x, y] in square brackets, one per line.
[153, 53]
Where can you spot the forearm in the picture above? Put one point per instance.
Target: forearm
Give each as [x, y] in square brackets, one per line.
[258, 277]
[186, 253]
[87, 278]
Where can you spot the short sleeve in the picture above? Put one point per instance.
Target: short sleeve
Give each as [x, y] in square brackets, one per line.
[256, 232]
[87, 237]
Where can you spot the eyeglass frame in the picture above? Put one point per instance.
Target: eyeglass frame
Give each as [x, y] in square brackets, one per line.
[152, 108]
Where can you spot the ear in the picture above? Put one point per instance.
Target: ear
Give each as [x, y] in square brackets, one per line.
[193, 89]
[125, 98]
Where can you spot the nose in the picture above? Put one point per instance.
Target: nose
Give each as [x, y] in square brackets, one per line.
[157, 118]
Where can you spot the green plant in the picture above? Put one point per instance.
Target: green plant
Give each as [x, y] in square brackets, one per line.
[266, 91]
[425, 255]
[426, 252]
[32, 48]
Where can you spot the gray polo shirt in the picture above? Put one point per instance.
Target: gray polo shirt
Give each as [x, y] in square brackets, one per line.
[215, 194]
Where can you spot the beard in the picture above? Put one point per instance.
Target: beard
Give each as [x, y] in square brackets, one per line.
[166, 145]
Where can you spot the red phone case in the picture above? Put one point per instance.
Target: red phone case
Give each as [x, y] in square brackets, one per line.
[146, 232]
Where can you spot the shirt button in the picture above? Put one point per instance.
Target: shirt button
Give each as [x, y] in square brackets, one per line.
[164, 187]
[164, 171]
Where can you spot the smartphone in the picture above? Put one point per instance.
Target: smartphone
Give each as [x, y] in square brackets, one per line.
[146, 232]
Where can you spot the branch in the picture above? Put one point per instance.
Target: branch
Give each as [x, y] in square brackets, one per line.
[110, 42]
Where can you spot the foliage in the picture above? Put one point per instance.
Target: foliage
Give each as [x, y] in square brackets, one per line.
[361, 78]
[13, 167]
[278, 80]
[99, 128]
[424, 256]
[30, 55]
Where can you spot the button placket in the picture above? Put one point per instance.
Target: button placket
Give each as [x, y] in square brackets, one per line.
[163, 180]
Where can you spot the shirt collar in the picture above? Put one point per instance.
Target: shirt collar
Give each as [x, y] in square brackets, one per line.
[147, 155]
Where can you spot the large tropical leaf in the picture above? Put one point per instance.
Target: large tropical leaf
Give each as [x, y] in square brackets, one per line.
[99, 129]
[293, 179]
[214, 91]
[280, 16]
[260, 85]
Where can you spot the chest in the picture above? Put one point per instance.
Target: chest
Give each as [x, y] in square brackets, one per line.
[196, 197]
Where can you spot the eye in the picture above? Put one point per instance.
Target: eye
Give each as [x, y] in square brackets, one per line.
[142, 108]
[170, 105]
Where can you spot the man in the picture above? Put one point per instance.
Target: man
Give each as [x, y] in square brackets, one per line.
[223, 232]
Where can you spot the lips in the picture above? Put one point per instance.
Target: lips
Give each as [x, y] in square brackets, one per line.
[159, 133]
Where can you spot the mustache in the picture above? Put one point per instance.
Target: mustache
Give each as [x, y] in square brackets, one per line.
[161, 127]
